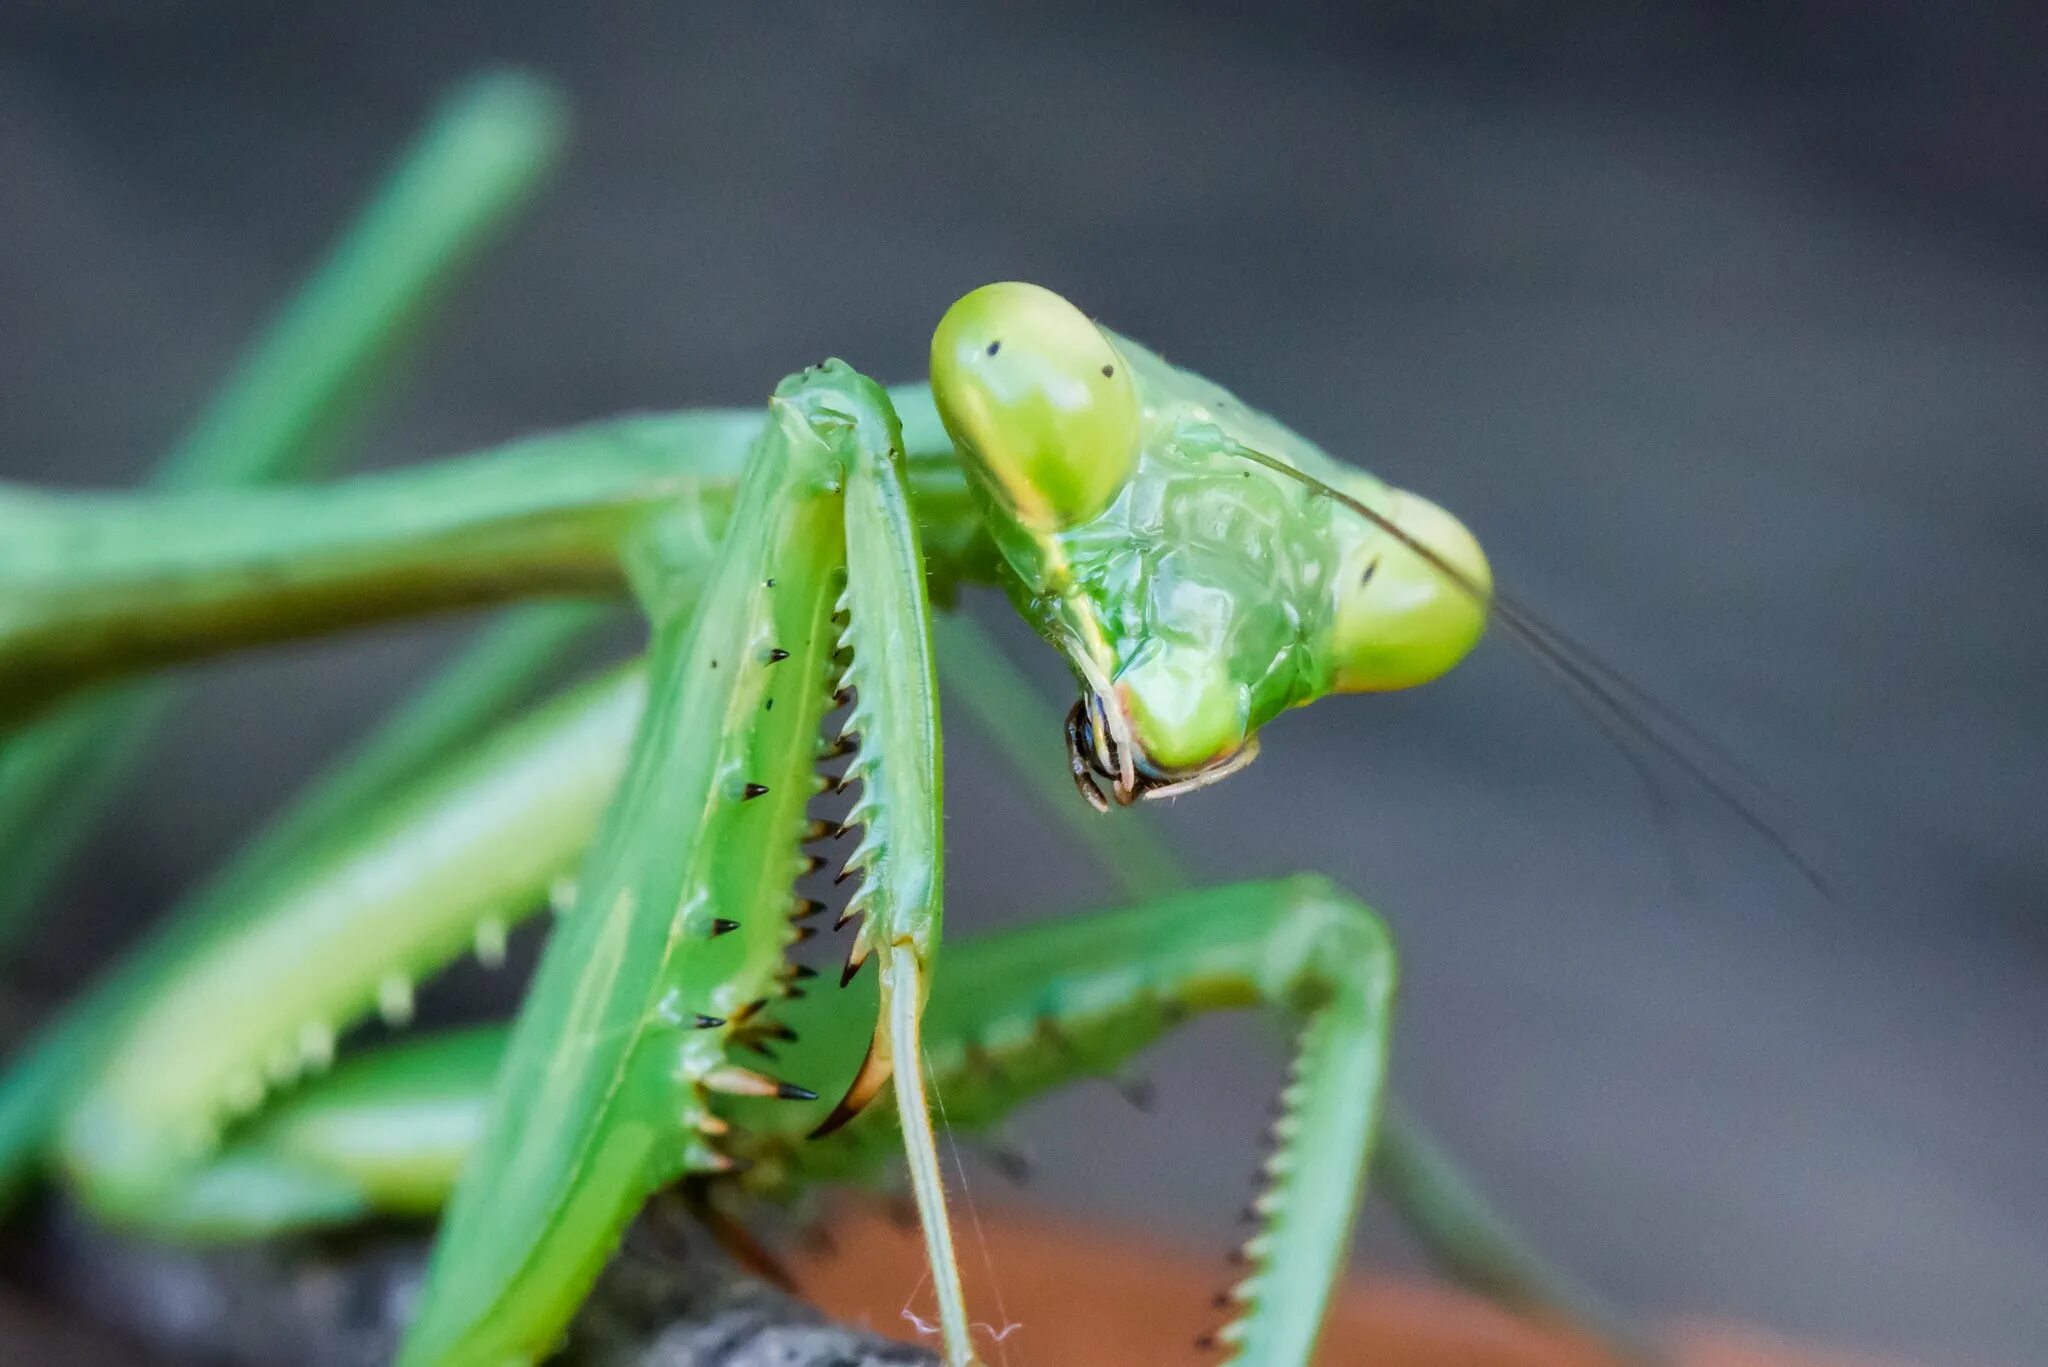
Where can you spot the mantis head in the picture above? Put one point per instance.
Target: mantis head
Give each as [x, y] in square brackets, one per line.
[1201, 567]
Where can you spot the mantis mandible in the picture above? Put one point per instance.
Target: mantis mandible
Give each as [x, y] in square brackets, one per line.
[1200, 567]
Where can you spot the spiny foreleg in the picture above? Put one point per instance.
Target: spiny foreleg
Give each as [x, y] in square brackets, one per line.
[892, 727]
[679, 928]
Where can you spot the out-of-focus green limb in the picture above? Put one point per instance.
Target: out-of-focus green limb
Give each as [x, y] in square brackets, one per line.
[386, 1133]
[448, 713]
[442, 865]
[474, 166]
[1475, 1244]
[56, 776]
[1464, 1235]
[94, 586]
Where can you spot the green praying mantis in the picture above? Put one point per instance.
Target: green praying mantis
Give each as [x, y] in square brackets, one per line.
[1201, 569]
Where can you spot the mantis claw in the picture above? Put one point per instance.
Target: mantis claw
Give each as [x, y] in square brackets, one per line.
[1077, 759]
[868, 1082]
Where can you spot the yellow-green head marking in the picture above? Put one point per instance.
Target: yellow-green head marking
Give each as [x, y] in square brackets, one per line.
[1201, 566]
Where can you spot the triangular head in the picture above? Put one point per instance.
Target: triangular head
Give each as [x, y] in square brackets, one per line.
[1202, 567]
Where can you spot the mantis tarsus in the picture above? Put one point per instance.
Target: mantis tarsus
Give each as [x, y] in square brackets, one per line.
[1201, 567]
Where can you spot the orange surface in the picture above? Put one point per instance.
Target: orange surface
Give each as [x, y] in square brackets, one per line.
[1076, 1296]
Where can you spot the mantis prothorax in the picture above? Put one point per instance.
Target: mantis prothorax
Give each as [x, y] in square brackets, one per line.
[1201, 568]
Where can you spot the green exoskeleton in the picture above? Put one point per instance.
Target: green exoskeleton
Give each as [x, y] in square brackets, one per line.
[1199, 566]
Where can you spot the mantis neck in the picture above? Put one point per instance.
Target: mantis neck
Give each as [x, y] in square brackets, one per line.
[96, 586]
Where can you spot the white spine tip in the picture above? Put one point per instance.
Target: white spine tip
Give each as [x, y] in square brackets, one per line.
[244, 1092]
[316, 1045]
[395, 1001]
[283, 1064]
[490, 942]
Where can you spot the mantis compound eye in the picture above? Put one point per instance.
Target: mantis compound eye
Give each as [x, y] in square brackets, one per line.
[1400, 619]
[1038, 400]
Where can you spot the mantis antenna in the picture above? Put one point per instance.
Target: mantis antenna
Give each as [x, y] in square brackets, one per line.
[1621, 708]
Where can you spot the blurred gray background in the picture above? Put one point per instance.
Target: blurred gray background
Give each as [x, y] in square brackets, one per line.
[1726, 329]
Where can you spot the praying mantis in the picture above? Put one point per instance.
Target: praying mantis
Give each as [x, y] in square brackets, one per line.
[1201, 569]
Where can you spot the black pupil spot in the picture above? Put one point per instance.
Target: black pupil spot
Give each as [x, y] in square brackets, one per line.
[994, 347]
[1370, 570]
[1108, 371]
